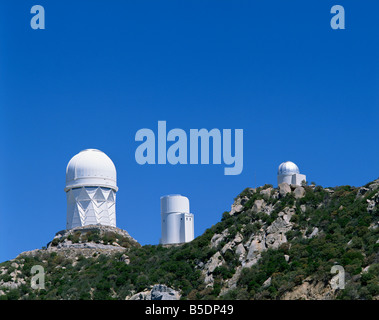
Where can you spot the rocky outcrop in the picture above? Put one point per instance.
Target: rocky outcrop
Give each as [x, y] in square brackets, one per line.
[92, 236]
[362, 191]
[373, 203]
[158, 292]
[87, 241]
[311, 290]
[258, 205]
[274, 234]
[218, 238]
[248, 251]
[215, 261]
[14, 280]
[255, 246]
[238, 205]
[266, 193]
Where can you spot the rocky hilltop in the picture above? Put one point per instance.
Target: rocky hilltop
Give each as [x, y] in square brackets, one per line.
[87, 241]
[274, 243]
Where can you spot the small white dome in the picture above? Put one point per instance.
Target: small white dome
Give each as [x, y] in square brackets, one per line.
[91, 167]
[288, 168]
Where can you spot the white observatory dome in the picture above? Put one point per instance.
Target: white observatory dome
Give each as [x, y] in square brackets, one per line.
[288, 168]
[174, 203]
[91, 167]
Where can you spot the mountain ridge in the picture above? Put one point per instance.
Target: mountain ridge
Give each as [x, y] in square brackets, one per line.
[274, 243]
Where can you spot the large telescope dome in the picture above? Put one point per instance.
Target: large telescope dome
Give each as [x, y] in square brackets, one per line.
[91, 167]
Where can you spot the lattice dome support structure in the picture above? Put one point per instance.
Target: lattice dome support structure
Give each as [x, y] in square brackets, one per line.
[91, 205]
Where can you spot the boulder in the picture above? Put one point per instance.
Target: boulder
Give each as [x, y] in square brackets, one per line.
[267, 283]
[218, 238]
[162, 292]
[124, 258]
[299, 192]
[314, 233]
[238, 205]
[276, 232]
[258, 205]
[274, 240]
[374, 186]
[158, 292]
[143, 295]
[266, 193]
[231, 244]
[284, 188]
[268, 208]
[287, 214]
[275, 194]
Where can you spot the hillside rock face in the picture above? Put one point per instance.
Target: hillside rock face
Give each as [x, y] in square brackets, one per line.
[272, 236]
[249, 251]
[311, 290]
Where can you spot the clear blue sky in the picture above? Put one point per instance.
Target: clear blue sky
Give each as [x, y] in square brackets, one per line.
[101, 70]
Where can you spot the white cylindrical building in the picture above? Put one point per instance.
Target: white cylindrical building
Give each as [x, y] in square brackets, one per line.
[176, 220]
[91, 187]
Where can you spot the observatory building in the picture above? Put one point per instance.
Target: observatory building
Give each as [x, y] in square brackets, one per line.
[91, 189]
[289, 172]
[176, 220]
